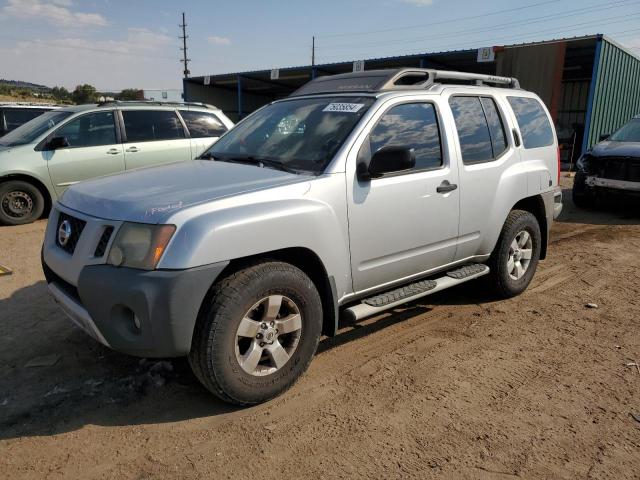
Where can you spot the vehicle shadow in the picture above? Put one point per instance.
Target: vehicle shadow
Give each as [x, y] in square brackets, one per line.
[611, 210]
[80, 382]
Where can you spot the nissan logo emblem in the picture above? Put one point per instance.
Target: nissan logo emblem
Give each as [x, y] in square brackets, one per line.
[64, 233]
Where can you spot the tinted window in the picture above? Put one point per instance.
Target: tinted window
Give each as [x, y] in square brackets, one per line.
[533, 122]
[628, 133]
[202, 125]
[149, 125]
[496, 129]
[30, 131]
[17, 117]
[89, 130]
[412, 125]
[473, 130]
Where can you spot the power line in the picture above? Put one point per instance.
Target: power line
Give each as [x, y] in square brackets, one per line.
[575, 12]
[458, 19]
[573, 26]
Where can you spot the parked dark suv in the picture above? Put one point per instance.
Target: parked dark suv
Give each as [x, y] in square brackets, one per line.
[12, 115]
[611, 167]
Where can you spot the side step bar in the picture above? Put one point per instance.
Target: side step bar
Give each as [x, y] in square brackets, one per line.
[387, 300]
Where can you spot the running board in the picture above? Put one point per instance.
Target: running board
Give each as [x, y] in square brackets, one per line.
[413, 291]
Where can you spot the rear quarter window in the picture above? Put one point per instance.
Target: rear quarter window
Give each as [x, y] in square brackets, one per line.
[533, 122]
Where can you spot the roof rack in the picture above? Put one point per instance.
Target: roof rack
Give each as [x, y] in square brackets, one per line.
[156, 102]
[372, 81]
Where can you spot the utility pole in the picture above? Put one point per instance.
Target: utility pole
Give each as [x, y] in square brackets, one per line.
[184, 37]
[313, 51]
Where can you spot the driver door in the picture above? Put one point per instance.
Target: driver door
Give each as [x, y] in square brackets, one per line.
[93, 150]
[400, 225]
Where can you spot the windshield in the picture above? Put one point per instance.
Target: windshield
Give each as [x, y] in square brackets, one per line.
[301, 135]
[31, 130]
[628, 133]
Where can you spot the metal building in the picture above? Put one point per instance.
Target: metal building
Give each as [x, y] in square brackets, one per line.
[590, 84]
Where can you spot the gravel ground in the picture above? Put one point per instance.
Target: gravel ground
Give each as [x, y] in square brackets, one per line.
[453, 386]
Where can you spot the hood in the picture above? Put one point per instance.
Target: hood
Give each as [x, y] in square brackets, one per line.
[148, 195]
[616, 149]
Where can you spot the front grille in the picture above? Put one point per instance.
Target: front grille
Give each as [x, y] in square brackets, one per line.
[104, 241]
[76, 227]
[620, 168]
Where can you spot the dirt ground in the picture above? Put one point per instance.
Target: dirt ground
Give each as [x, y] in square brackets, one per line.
[454, 386]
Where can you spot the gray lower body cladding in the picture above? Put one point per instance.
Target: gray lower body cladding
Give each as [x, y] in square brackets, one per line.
[165, 304]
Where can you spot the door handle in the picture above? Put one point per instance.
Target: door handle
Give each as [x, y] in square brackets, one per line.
[445, 187]
[132, 149]
[113, 151]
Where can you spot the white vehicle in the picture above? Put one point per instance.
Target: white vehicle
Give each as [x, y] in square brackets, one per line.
[42, 158]
[358, 193]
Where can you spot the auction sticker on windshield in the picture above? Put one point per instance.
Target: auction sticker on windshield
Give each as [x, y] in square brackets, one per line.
[343, 107]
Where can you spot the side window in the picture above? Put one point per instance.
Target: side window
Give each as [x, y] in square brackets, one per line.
[411, 125]
[150, 125]
[17, 117]
[202, 124]
[473, 130]
[533, 122]
[496, 128]
[90, 130]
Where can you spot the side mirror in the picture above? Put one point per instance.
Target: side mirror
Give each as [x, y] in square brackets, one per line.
[57, 142]
[389, 160]
[604, 136]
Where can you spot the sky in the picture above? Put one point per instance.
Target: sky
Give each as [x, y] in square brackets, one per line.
[116, 44]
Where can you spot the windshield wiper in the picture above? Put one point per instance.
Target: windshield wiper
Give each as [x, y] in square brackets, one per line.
[207, 156]
[260, 161]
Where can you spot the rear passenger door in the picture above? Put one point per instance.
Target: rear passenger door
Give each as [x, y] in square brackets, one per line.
[486, 153]
[204, 129]
[153, 137]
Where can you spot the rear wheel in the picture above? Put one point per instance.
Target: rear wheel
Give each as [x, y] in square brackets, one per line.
[515, 257]
[257, 333]
[20, 203]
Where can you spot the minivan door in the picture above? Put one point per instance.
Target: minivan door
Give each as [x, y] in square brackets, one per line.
[404, 224]
[92, 149]
[204, 129]
[153, 137]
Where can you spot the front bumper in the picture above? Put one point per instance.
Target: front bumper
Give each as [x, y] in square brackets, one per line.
[620, 185]
[109, 302]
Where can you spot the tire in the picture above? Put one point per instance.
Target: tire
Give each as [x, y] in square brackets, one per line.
[20, 203]
[501, 278]
[583, 196]
[218, 357]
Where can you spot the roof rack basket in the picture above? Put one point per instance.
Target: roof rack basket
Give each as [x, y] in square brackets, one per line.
[372, 81]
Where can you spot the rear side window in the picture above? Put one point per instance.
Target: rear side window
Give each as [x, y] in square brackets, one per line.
[533, 122]
[150, 125]
[90, 130]
[14, 118]
[473, 129]
[411, 125]
[201, 125]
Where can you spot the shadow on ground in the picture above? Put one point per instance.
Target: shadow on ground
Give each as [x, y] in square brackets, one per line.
[609, 210]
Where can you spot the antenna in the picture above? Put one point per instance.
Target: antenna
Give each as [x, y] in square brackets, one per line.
[184, 37]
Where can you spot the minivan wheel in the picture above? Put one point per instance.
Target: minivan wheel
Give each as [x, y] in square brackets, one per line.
[20, 203]
[257, 332]
[515, 257]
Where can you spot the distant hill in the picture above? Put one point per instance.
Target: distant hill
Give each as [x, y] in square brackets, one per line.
[21, 84]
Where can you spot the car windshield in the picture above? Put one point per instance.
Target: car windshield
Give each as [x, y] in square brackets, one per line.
[31, 130]
[628, 133]
[298, 135]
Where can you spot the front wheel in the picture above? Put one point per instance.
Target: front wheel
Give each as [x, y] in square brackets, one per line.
[257, 333]
[20, 203]
[515, 257]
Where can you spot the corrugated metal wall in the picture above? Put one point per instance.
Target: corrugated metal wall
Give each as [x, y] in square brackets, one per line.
[616, 96]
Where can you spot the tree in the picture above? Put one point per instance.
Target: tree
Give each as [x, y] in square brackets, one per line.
[84, 94]
[61, 94]
[130, 94]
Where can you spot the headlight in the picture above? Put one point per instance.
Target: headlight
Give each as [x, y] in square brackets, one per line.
[139, 245]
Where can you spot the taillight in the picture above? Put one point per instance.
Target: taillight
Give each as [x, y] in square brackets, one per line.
[558, 166]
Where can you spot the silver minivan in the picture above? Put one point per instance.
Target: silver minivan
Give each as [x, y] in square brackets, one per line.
[40, 159]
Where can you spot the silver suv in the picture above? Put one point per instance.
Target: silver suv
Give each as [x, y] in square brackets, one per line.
[40, 159]
[358, 193]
